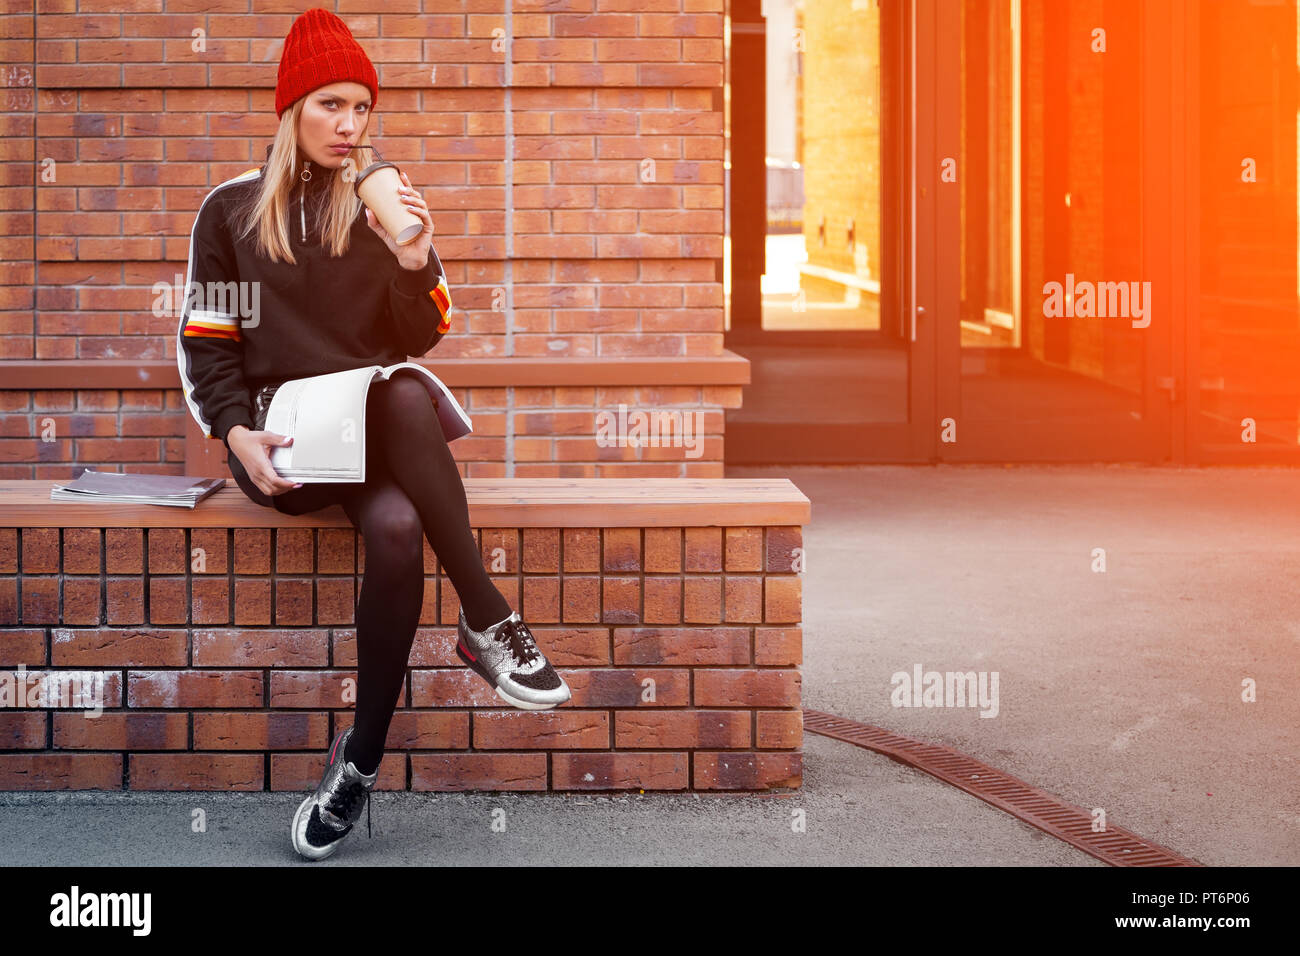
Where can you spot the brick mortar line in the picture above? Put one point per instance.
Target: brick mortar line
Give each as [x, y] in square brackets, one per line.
[508, 132]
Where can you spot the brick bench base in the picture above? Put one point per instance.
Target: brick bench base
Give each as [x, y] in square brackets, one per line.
[218, 642]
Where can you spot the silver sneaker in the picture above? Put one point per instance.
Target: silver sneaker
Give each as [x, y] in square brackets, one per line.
[507, 657]
[327, 816]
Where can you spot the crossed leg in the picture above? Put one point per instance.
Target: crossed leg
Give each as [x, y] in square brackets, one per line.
[416, 453]
[388, 608]
[412, 491]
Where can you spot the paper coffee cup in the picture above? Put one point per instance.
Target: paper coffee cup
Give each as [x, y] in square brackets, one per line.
[377, 186]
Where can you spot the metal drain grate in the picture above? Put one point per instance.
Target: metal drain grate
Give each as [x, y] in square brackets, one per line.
[1066, 822]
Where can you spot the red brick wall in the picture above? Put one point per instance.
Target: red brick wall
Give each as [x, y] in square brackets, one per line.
[550, 431]
[235, 676]
[572, 161]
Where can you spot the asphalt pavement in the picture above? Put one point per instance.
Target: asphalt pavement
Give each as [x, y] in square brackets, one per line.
[1126, 611]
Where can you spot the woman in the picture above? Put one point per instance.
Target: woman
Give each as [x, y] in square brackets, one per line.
[287, 279]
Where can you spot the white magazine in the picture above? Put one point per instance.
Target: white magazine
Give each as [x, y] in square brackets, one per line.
[326, 417]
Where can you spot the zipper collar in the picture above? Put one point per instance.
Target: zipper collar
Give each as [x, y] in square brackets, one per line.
[312, 180]
[313, 176]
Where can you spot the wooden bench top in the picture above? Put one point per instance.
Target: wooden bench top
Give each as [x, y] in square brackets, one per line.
[493, 503]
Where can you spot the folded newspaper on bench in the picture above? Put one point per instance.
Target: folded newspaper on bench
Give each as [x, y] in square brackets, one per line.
[181, 491]
[326, 417]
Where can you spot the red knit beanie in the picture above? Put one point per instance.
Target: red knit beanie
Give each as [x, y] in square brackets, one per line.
[320, 50]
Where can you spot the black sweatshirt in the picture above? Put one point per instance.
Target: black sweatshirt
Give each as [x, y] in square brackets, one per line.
[278, 321]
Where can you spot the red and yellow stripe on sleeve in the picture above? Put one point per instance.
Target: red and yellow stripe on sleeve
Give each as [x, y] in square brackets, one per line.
[441, 297]
[215, 325]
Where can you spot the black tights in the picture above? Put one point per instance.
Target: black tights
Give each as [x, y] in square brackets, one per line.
[412, 490]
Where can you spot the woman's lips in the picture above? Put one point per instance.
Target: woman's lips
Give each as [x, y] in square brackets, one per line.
[341, 149]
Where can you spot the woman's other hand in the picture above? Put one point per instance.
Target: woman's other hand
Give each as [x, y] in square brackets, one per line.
[250, 448]
[415, 253]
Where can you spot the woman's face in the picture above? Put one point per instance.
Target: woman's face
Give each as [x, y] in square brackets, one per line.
[331, 115]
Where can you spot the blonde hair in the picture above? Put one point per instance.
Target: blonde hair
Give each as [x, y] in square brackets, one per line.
[269, 212]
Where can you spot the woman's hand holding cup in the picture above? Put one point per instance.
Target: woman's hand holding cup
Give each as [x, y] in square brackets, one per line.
[414, 254]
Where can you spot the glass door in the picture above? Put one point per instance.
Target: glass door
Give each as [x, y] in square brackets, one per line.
[1243, 323]
[1054, 291]
[821, 286]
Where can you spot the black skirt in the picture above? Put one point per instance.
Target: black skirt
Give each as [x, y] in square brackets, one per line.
[261, 401]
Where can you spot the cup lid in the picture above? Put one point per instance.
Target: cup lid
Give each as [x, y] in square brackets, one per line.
[373, 167]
